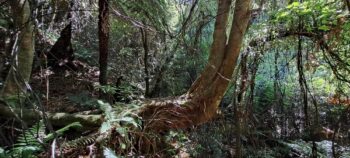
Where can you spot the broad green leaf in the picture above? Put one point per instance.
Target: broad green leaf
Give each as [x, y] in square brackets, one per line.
[323, 28]
[293, 5]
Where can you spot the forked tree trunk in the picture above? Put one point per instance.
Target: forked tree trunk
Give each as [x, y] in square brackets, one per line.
[201, 101]
[21, 68]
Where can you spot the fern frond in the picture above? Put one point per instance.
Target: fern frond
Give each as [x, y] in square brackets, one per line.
[80, 142]
[29, 142]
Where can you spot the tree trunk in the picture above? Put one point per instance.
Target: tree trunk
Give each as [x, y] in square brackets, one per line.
[21, 67]
[239, 106]
[103, 34]
[303, 87]
[145, 44]
[201, 102]
[161, 69]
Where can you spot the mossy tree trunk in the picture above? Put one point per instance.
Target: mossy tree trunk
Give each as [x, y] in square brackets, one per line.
[201, 101]
[21, 68]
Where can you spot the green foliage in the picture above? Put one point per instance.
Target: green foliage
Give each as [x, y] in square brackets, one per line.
[322, 12]
[127, 93]
[179, 139]
[83, 99]
[119, 121]
[3, 23]
[83, 53]
[304, 148]
[107, 89]
[180, 136]
[60, 132]
[265, 97]
[265, 152]
[2, 153]
[32, 141]
[212, 140]
[163, 20]
[28, 143]
[115, 117]
[322, 86]
[154, 11]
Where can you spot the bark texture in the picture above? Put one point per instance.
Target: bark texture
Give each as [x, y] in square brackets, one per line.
[201, 102]
[21, 67]
[103, 34]
[144, 34]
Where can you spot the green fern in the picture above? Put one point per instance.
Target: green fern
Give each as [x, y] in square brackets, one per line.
[29, 142]
[32, 140]
[119, 116]
[80, 142]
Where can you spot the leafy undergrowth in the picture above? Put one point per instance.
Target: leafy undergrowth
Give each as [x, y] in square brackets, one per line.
[122, 134]
[304, 149]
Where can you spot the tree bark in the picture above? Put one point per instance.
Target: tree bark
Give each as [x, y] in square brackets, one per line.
[239, 107]
[21, 68]
[303, 87]
[201, 102]
[217, 51]
[145, 44]
[103, 34]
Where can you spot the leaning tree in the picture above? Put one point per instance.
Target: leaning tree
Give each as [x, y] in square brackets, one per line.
[200, 103]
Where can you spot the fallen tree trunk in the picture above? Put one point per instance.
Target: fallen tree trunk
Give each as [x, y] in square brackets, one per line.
[30, 116]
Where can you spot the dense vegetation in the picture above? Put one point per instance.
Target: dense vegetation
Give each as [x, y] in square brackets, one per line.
[174, 78]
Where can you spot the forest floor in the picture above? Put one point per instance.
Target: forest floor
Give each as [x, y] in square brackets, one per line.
[66, 90]
[72, 92]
